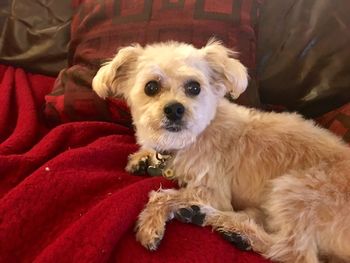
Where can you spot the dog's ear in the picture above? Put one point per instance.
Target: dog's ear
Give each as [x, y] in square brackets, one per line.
[226, 70]
[111, 78]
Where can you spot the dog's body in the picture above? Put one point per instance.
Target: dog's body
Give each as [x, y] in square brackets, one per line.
[278, 181]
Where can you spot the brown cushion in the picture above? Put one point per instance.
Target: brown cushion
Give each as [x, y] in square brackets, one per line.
[304, 55]
[35, 34]
[99, 28]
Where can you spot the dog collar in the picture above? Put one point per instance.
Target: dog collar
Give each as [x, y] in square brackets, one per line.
[161, 169]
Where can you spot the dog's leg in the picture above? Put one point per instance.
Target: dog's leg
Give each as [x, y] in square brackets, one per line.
[190, 206]
[309, 214]
[160, 208]
[291, 222]
[236, 227]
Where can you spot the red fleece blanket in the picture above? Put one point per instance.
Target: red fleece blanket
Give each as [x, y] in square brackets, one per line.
[65, 196]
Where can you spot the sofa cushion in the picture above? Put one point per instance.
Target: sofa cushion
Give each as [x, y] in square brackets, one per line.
[35, 34]
[99, 28]
[304, 55]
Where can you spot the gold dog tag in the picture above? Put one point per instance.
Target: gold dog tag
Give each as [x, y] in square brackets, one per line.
[169, 174]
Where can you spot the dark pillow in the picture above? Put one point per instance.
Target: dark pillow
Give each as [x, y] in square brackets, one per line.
[35, 34]
[304, 55]
[99, 28]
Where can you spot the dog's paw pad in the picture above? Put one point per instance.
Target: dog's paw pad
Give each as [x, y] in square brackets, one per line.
[184, 215]
[190, 214]
[139, 167]
[195, 208]
[237, 240]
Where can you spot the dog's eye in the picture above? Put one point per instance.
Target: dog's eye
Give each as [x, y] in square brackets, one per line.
[192, 88]
[152, 88]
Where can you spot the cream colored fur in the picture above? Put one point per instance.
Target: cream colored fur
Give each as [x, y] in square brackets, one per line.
[276, 179]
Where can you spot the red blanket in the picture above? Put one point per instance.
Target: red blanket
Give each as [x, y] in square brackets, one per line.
[65, 196]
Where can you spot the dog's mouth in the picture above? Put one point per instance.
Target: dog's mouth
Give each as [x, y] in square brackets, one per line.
[174, 126]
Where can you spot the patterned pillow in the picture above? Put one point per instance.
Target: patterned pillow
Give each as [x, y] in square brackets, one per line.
[99, 27]
[338, 121]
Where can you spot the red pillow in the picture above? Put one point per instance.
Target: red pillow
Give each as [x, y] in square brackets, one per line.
[100, 27]
[338, 121]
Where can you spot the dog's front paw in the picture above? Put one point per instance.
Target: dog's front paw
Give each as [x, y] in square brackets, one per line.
[139, 162]
[149, 235]
[137, 166]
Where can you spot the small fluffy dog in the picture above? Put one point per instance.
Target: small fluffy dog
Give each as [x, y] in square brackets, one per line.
[271, 182]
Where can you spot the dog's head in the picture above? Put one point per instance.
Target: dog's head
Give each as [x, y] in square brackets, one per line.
[172, 88]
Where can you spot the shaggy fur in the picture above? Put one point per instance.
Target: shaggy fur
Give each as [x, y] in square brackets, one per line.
[277, 180]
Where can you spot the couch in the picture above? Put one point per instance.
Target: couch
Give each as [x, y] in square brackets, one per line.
[64, 194]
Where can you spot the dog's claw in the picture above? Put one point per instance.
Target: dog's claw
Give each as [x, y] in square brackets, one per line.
[154, 245]
[237, 240]
[190, 214]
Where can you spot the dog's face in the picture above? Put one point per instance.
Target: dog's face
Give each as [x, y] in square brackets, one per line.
[172, 89]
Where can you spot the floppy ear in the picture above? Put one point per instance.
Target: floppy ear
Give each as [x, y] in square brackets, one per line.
[226, 70]
[111, 78]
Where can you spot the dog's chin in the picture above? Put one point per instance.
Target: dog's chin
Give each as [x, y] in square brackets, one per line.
[173, 127]
[171, 140]
[168, 138]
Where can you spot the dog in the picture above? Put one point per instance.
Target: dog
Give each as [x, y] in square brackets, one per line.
[270, 182]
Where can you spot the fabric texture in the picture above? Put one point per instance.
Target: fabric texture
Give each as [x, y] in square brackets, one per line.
[338, 121]
[99, 28]
[34, 34]
[64, 194]
[303, 56]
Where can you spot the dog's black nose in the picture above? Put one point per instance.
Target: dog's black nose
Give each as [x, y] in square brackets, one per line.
[174, 111]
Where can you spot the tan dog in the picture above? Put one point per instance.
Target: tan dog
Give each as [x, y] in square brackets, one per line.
[270, 182]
